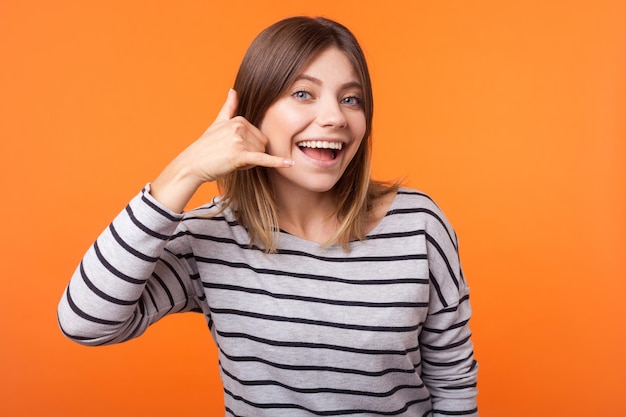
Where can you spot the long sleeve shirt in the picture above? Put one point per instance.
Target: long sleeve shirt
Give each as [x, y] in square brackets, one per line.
[381, 330]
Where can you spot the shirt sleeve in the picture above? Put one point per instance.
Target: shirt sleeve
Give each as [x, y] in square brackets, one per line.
[448, 365]
[129, 278]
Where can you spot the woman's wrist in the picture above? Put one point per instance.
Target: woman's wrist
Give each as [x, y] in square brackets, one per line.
[174, 187]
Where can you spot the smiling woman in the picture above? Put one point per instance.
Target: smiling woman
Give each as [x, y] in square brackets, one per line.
[323, 110]
[298, 58]
[326, 293]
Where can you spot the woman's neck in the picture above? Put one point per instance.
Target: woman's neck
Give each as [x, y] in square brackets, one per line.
[306, 214]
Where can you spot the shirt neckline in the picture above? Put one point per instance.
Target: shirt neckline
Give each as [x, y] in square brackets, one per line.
[380, 226]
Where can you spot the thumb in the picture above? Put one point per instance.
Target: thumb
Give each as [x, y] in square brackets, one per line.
[229, 107]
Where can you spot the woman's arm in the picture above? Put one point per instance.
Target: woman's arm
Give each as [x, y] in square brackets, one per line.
[127, 280]
[448, 365]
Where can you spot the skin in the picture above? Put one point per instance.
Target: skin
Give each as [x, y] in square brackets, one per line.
[323, 104]
[230, 143]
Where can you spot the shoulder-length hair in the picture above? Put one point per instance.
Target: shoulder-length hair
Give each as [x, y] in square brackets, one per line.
[276, 57]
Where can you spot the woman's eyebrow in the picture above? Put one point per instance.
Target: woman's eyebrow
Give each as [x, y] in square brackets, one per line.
[308, 78]
[317, 81]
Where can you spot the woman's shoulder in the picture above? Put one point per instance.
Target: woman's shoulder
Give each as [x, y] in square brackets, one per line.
[415, 205]
[213, 211]
[409, 198]
[210, 207]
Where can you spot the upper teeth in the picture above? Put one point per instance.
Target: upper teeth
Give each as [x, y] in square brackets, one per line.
[321, 144]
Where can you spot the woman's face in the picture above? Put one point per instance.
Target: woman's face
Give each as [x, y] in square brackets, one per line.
[319, 123]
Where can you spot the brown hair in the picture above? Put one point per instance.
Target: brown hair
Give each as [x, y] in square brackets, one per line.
[270, 66]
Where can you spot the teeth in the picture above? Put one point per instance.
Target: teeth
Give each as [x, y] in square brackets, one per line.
[321, 144]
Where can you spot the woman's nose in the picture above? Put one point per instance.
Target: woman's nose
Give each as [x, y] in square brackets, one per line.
[331, 114]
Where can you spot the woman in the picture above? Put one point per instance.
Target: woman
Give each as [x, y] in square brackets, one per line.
[326, 293]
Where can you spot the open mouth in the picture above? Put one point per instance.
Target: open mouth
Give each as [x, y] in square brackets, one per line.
[321, 150]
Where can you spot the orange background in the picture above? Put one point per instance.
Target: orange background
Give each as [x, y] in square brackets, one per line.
[511, 114]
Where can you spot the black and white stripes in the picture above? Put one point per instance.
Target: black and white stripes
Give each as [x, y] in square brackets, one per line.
[380, 331]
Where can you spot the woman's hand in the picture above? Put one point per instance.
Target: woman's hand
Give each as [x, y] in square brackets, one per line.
[230, 143]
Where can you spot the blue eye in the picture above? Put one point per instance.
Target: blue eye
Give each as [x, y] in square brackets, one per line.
[301, 95]
[351, 101]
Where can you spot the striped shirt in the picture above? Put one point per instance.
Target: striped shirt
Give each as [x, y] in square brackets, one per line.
[381, 330]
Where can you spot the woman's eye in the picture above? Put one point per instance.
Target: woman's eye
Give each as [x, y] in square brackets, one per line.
[302, 95]
[351, 101]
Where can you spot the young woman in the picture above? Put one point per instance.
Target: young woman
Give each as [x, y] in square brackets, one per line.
[326, 293]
